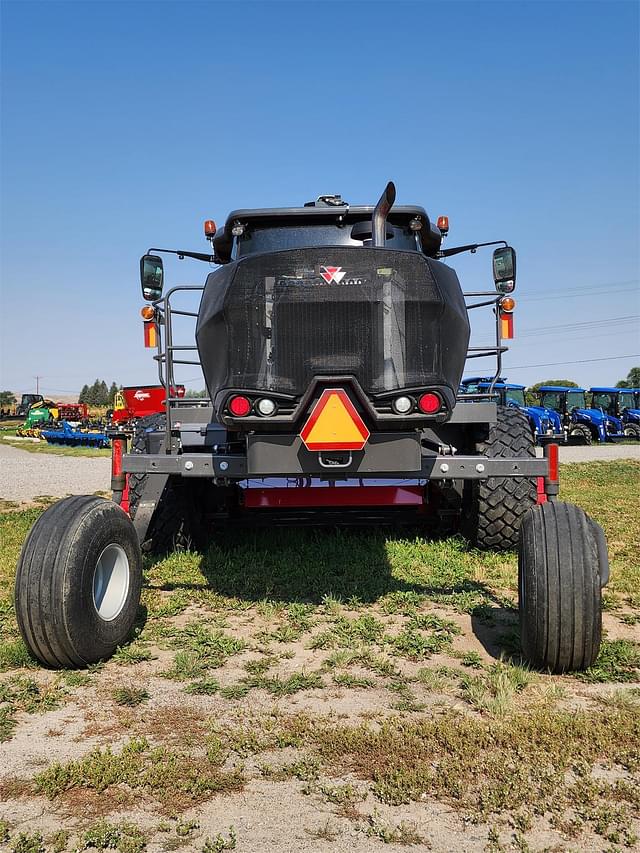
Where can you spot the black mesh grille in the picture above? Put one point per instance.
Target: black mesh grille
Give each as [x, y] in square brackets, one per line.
[376, 314]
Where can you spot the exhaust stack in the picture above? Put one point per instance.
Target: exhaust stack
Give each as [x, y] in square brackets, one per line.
[379, 218]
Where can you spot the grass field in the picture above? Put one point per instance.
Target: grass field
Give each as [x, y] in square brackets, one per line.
[318, 690]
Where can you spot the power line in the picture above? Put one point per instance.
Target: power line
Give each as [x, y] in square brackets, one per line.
[583, 326]
[562, 363]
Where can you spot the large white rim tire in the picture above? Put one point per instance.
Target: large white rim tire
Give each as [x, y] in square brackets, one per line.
[562, 568]
[493, 509]
[78, 582]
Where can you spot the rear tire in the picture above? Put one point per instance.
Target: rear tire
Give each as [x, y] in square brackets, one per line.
[632, 431]
[493, 509]
[173, 526]
[562, 567]
[581, 433]
[78, 582]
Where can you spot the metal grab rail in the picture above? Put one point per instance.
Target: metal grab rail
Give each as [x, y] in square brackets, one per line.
[166, 348]
[498, 348]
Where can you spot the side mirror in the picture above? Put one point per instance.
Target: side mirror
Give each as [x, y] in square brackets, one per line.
[504, 269]
[151, 277]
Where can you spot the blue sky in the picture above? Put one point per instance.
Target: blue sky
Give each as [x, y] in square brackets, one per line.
[125, 125]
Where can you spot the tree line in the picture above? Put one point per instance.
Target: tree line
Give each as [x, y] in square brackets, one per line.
[99, 394]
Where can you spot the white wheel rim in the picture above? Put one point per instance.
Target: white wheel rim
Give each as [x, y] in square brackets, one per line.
[111, 582]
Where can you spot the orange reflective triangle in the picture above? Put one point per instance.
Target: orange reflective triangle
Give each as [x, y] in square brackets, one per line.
[334, 424]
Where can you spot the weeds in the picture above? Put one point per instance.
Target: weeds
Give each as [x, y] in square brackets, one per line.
[220, 843]
[619, 660]
[129, 696]
[170, 776]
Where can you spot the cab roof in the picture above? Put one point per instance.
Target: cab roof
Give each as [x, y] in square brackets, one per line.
[560, 388]
[608, 390]
[313, 213]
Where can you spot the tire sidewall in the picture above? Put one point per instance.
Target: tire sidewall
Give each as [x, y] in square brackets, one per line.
[92, 637]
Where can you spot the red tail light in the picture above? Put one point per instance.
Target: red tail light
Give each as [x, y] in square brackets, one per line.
[429, 403]
[239, 406]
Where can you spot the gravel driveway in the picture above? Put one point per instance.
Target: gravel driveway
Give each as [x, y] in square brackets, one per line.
[24, 475]
[606, 452]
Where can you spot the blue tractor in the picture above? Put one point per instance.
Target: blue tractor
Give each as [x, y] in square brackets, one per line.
[622, 404]
[545, 424]
[582, 424]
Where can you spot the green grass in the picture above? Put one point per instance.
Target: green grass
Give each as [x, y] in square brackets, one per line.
[54, 449]
[171, 776]
[130, 696]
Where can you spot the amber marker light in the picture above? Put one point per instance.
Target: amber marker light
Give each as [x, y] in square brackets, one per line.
[507, 304]
[147, 312]
[209, 228]
[443, 224]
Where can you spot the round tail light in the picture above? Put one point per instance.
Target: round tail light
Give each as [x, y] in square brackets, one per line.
[266, 407]
[402, 405]
[429, 403]
[239, 406]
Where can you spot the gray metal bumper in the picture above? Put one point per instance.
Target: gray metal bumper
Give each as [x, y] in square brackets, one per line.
[427, 466]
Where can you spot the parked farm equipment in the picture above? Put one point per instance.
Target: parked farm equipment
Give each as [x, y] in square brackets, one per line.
[622, 404]
[332, 340]
[140, 401]
[582, 424]
[26, 402]
[545, 423]
[46, 413]
[76, 436]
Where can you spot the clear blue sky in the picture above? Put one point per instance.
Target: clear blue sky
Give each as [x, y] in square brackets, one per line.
[125, 124]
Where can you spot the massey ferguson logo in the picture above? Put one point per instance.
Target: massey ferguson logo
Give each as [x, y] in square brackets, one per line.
[332, 275]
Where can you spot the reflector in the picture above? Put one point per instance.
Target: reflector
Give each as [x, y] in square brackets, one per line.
[334, 424]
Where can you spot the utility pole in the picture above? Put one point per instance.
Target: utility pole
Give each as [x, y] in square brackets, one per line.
[38, 378]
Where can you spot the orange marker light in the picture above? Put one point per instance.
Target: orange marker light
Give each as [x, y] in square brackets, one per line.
[150, 335]
[147, 312]
[209, 228]
[443, 224]
[506, 325]
[507, 304]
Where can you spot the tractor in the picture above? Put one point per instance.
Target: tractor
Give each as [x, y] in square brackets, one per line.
[332, 338]
[583, 425]
[26, 402]
[622, 404]
[545, 423]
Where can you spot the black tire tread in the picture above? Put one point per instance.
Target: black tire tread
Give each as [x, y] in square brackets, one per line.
[497, 505]
[41, 576]
[560, 575]
[169, 529]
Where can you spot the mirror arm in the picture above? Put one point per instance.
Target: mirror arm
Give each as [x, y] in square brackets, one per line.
[182, 254]
[472, 247]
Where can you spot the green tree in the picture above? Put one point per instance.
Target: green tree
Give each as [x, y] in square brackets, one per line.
[190, 394]
[532, 393]
[112, 394]
[84, 394]
[632, 380]
[7, 398]
[103, 394]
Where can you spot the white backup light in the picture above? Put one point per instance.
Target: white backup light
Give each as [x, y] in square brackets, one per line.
[402, 405]
[266, 407]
